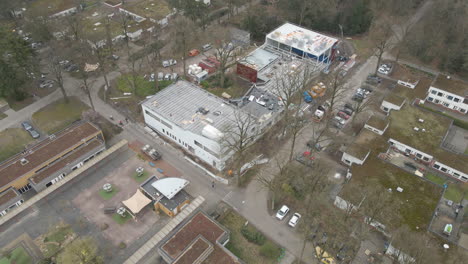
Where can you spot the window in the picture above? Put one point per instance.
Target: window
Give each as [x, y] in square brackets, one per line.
[198, 144]
[418, 155]
[166, 124]
[426, 158]
[180, 142]
[385, 109]
[433, 92]
[152, 115]
[456, 100]
[436, 166]
[450, 97]
[456, 174]
[462, 110]
[455, 107]
[464, 178]
[436, 101]
[443, 169]
[440, 94]
[163, 130]
[430, 99]
[347, 161]
[446, 105]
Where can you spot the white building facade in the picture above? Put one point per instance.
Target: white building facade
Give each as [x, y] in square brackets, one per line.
[447, 99]
[387, 106]
[350, 159]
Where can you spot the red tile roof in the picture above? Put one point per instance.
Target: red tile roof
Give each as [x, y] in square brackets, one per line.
[199, 225]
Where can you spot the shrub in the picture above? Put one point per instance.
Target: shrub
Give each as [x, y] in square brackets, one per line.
[253, 236]
[205, 84]
[270, 250]
[122, 245]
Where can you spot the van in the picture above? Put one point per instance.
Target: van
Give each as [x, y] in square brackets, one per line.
[206, 47]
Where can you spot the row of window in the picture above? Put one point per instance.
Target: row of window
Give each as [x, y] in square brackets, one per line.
[158, 119]
[445, 170]
[206, 149]
[450, 97]
[437, 101]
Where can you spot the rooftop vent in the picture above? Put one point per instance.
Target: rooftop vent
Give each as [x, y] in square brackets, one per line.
[416, 129]
[421, 120]
[24, 161]
[203, 110]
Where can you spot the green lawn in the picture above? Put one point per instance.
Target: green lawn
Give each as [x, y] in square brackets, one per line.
[107, 195]
[141, 178]
[18, 105]
[435, 179]
[241, 247]
[12, 141]
[455, 192]
[121, 220]
[58, 115]
[18, 256]
[143, 87]
[2, 115]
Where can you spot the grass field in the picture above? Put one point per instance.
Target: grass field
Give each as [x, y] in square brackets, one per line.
[455, 192]
[12, 141]
[435, 179]
[241, 247]
[2, 115]
[121, 220]
[143, 86]
[141, 178]
[18, 256]
[107, 195]
[58, 115]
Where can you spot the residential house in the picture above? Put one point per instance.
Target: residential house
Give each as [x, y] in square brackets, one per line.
[449, 93]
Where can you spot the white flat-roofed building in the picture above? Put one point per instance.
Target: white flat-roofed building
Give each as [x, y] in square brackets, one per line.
[294, 40]
[193, 119]
[449, 93]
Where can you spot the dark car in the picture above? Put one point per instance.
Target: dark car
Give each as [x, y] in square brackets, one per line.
[26, 126]
[343, 115]
[350, 106]
[410, 165]
[358, 97]
[347, 111]
[374, 79]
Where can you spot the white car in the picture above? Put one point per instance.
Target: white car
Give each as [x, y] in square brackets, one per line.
[339, 120]
[294, 219]
[167, 77]
[282, 212]
[168, 63]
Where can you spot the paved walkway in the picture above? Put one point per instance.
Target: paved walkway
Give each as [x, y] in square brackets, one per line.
[152, 242]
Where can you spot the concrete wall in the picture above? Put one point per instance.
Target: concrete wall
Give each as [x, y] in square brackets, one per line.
[387, 106]
[447, 100]
[375, 130]
[350, 159]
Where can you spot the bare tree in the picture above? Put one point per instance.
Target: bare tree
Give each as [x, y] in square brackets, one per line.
[363, 106]
[183, 34]
[401, 32]
[272, 181]
[238, 138]
[374, 204]
[381, 37]
[225, 52]
[74, 24]
[56, 68]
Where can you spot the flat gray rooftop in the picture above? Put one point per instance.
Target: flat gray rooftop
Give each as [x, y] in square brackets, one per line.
[259, 59]
[181, 103]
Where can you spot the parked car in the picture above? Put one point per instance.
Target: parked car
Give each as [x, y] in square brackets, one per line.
[46, 84]
[168, 63]
[294, 219]
[350, 106]
[114, 57]
[72, 68]
[358, 97]
[193, 53]
[348, 111]
[206, 47]
[339, 122]
[167, 77]
[64, 62]
[34, 134]
[26, 125]
[374, 79]
[410, 165]
[385, 68]
[160, 76]
[152, 77]
[343, 115]
[175, 76]
[282, 212]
